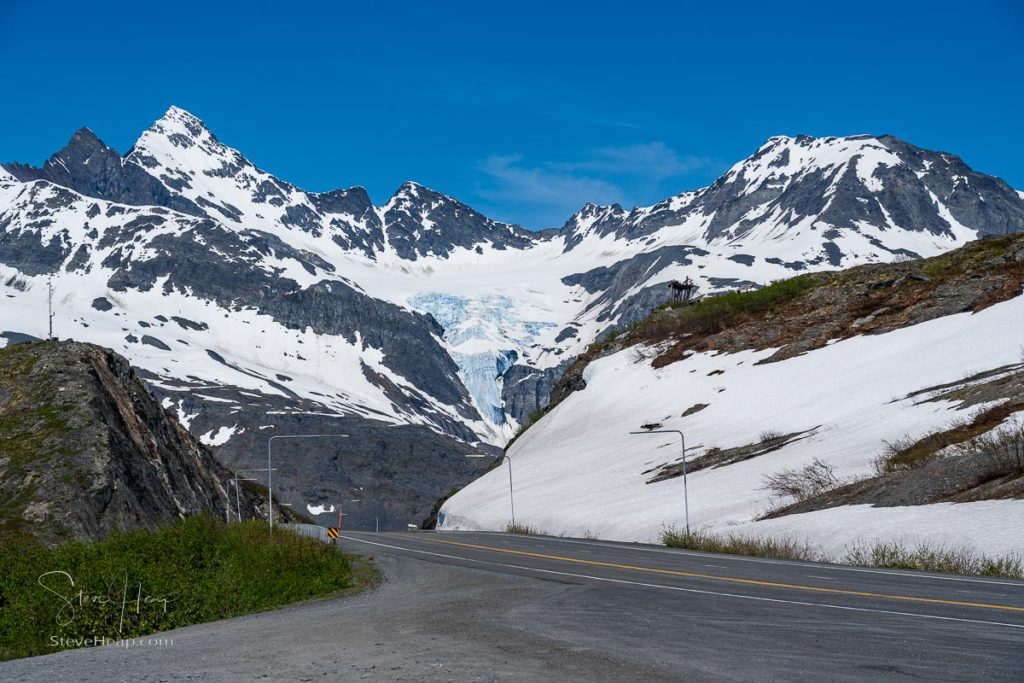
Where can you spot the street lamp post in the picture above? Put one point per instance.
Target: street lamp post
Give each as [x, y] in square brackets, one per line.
[682, 445]
[270, 467]
[238, 497]
[511, 500]
[238, 501]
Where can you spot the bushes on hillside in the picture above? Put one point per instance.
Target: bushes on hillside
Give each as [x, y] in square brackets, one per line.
[801, 484]
[1001, 450]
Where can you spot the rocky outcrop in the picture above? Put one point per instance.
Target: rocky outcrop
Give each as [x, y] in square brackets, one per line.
[85, 449]
[525, 390]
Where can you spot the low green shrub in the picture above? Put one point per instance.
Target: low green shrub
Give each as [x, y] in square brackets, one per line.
[194, 570]
[983, 435]
[1001, 450]
[715, 313]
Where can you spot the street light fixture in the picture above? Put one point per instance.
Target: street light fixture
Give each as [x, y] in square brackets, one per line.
[270, 468]
[682, 444]
[238, 497]
[511, 500]
[238, 506]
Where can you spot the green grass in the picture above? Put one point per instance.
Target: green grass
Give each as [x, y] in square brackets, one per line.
[523, 529]
[194, 570]
[928, 558]
[922, 557]
[972, 255]
[710, 315]
[732, 544]
[718, 312]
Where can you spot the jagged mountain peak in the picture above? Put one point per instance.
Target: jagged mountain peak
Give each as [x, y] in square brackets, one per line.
[411, 187]
[180, 137]
[180, 119]
[90, 167]
[870, 194]
[788, 156]
[411, 193]
[82, 147]
[420, 222]
[85, 136]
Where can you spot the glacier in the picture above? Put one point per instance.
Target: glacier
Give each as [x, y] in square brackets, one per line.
[478, 332]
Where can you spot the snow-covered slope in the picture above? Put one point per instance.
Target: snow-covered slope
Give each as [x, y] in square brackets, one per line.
[186, 298]
[185, 224]
[579, 471]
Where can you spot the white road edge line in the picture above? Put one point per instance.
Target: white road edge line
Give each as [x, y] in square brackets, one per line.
[761, 560]
[684, 590]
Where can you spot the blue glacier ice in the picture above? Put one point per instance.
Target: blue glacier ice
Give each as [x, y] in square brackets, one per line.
[496, 334]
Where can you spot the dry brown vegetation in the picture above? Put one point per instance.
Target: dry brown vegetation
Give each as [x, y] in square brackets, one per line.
[907, 453]
[803, 483]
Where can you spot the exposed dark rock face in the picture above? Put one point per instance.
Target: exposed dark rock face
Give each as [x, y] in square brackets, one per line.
[355, 203]
[89, 167]
[85, 449]
[395, 472]
[453, 225]
[526, 390]
[335, 308]
[974, 199]
[150, 340]
[614, 283]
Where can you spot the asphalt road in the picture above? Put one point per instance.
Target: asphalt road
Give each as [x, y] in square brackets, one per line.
[483, 607]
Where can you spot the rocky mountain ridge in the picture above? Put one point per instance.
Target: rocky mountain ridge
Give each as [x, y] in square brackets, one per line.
[230, 286]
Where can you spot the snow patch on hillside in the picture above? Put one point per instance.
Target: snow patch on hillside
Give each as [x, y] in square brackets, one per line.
[578, 470]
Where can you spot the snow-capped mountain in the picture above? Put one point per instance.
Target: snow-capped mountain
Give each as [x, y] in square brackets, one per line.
[234, 290]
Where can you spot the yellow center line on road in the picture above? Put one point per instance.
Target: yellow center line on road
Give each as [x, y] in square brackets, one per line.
[715, 577]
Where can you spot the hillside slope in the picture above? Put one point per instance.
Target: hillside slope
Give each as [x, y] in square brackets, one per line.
[253, 307]
[85, 449]
[827, 366]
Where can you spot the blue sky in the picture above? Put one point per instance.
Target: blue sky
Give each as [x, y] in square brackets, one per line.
[525, 110]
